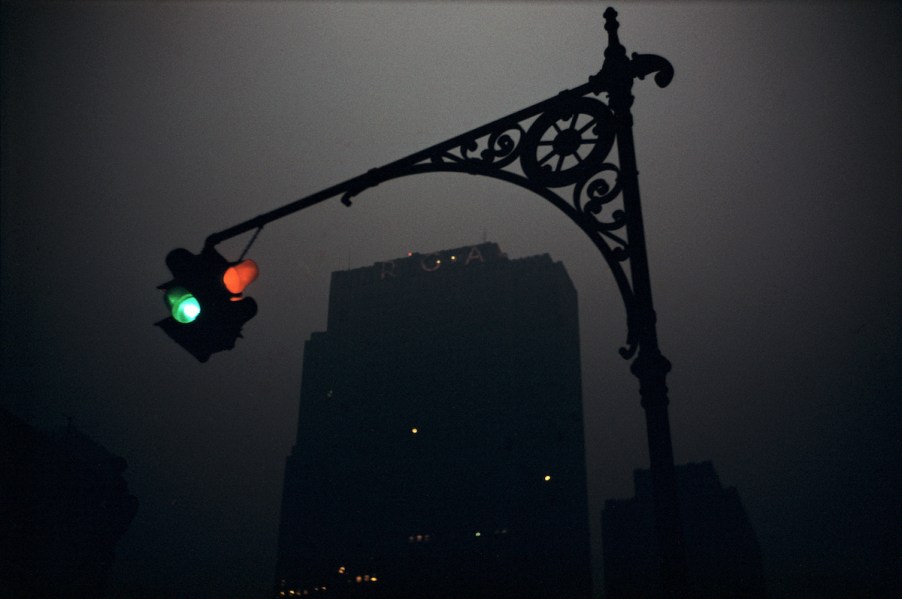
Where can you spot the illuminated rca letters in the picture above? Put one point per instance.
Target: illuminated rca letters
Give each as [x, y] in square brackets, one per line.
[430, 262]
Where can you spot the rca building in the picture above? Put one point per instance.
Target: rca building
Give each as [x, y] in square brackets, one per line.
[439, 447]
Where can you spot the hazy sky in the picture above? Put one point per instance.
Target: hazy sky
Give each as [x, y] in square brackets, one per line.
[770, 179]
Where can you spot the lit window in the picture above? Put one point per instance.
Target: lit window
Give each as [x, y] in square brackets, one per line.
[478, 534]
[414, 430]
[547, 477]
[373, 579]
[341, 569]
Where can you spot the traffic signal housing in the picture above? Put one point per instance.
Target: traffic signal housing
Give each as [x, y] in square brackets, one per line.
[205, 299]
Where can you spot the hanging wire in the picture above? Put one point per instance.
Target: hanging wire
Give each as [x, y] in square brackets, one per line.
[250, 243]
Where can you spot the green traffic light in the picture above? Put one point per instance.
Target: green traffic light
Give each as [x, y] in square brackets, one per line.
[184, 306]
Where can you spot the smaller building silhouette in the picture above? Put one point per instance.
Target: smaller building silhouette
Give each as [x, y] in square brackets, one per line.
[722, 551]
[63, 507]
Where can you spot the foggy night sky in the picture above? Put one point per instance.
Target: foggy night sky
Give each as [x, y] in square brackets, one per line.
[770, 179]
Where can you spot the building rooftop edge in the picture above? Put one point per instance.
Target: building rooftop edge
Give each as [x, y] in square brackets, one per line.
[486, 251]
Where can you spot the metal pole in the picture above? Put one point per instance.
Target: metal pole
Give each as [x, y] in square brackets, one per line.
[650, 366]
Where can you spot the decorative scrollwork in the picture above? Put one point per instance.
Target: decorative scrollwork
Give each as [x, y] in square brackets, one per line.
[495, 150]
[567, 142]
[589, 198]
[598, 190]
[643, 65]
[502, 146]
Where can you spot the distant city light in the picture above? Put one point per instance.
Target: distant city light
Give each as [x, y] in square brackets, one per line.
[478, 534]
[547, 477]
[414, 430]
[341, 569]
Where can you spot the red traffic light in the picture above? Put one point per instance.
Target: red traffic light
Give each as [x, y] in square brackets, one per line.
[240, 275]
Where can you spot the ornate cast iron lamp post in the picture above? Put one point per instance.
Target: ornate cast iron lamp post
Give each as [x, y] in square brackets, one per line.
[559, 149]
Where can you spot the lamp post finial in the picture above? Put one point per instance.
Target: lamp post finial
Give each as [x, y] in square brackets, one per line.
[611, 26]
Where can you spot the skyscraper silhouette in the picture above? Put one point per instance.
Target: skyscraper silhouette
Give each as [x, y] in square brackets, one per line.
[723, 553]
[440, 448]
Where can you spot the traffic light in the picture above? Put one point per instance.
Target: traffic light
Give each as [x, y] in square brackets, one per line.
[205, 302]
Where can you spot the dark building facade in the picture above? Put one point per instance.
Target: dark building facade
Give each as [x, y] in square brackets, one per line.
[440, 448]
[64, 506]
[722, 551]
